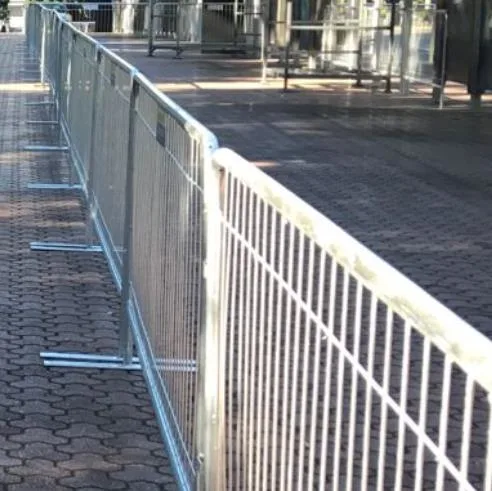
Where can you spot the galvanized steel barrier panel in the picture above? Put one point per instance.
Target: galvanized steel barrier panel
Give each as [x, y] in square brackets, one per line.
[140, 160]
[209, 26]
[335, 371]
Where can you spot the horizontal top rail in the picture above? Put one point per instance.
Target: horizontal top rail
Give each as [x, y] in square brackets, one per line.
[465, 345]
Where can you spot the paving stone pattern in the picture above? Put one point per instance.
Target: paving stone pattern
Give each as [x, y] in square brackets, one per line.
[412, 183]
[60, 429]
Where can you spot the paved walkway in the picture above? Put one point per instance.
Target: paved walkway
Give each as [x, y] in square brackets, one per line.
[60, 429]
[411, 182]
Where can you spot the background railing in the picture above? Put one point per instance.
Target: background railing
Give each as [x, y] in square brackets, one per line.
[390, 43]
[278, 351]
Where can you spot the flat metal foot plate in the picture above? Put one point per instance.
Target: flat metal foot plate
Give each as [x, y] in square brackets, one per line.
[53, 186]
[53, 123]
[45, 148]
[82, 360]
[40, 103]
[60, 246]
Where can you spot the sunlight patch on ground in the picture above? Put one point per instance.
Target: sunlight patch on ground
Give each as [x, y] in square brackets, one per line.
[255, 84]
[23, 87]
[262, 164]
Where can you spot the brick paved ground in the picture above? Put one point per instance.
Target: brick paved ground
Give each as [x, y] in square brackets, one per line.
[411, 182]
[60, 429]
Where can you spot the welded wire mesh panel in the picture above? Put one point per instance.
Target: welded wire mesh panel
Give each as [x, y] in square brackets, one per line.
[165, 21]
[427, 44]
[130, 18]
[79, 120]
[32, 33]
[222, 22]
[167, 258]
[357, 37]
[111, 148]
[339, 372]
[50, 44]
[177, 21]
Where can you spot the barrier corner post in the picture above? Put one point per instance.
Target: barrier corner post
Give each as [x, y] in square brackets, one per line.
[211, 386]
[125, 338]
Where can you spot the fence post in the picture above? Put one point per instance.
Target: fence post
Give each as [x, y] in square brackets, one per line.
[58, 81]
[210, 411]
[406, 35]
[439, 56]
[43, 45]
[264, 40]
[68, 115]
[126, 345]
[392, 45]
[288, 36]
[358, 81]
[90, 172]
[442, 74]
[150, 49]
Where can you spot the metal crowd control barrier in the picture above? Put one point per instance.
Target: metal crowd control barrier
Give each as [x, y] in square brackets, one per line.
[141, 169]
[336, 372]
[423, 50]
[279, 353]
[345, 43]
[209, 26]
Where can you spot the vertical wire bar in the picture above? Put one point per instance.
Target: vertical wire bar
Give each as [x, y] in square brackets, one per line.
[181, 326]
[232, 221]
[325, 432]
[241, 373]
[384, 405]
[225, 302]
[287, 348]
[400, 458]
[340, 381]
[269, 349]
[247, 336]
[424, 387]
[355, 378]
[261, 381]
[443, 423]
[305, 370]
[316, 374]
[465, 441]
[368, 401]
[295, 365]
[277, 356]
[125, 341]
[237, 289]
[255, 384]
[188, 292]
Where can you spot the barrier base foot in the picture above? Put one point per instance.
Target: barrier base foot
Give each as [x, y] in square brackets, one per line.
[82, 360]
[60, 246]
[53, 186]
[52, 123]
[45, 148]
[40, 103]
